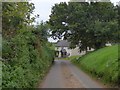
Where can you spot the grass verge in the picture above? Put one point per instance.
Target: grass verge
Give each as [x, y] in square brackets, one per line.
[102, 64]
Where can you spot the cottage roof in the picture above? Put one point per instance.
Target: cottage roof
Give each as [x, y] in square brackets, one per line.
[62, 43]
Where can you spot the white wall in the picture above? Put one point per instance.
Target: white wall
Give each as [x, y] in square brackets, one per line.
[58, 49]
[75, 52]
[108, 44]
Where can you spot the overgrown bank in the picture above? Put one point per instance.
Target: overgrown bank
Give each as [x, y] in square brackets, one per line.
[26, 59]
[102, 64]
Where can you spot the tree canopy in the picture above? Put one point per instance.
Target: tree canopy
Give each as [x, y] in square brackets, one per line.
[85, 24]
[15, 15]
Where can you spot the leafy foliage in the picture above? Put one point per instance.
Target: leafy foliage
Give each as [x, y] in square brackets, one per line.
[26, 61]
[15, 15]
[25, 52]
[85, 24]
[42, 30]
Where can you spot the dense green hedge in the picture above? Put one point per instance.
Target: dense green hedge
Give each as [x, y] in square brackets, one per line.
[26, 59]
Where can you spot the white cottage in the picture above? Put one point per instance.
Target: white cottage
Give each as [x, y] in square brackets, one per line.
[63, 50]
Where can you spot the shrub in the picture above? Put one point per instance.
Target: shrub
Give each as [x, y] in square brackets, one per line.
[25, 60]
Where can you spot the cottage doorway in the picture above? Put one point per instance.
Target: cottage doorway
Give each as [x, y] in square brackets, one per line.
[63, 52]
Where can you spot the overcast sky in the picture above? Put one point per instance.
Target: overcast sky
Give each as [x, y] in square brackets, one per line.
[43, 8]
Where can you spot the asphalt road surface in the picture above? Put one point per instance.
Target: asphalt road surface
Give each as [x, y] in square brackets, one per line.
[64, 74]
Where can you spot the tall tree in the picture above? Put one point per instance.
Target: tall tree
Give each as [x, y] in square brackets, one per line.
[41, 31]
[84, 24]
[15, 15]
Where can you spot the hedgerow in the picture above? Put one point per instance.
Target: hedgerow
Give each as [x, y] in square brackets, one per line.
[25, 60]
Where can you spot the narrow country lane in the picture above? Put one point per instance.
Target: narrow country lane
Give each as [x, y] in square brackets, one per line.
[64, 74]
